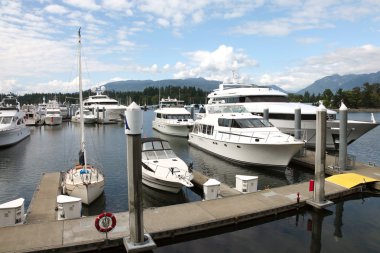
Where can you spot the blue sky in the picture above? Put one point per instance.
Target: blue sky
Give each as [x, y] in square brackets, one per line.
[289, 43]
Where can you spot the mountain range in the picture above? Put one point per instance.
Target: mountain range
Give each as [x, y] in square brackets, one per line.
[140, 85]
[336, 82]
[333, 82]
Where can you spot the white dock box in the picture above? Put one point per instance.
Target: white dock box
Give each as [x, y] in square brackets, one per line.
[211, 189]
[68, 207]
[246, 184]
[12, 213]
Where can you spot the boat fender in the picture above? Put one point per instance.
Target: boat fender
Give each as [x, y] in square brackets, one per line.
[105, 222]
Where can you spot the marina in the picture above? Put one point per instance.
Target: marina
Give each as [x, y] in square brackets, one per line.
[111, 201]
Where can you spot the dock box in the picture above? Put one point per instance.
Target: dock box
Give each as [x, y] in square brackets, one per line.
[246, 184]
[68, 207]
[12, 213]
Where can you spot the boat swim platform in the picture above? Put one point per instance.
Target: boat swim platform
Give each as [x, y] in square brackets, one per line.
[77, 235]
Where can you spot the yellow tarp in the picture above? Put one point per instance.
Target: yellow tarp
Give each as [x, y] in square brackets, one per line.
[350, 180]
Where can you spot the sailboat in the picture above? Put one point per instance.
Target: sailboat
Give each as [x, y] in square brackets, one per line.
[83, 180]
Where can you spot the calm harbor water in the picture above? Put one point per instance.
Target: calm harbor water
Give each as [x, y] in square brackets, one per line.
[55, 148]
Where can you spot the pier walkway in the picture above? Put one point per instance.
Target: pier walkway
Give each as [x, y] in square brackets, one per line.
[161, 223]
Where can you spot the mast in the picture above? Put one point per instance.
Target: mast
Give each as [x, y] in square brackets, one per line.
[82, 152]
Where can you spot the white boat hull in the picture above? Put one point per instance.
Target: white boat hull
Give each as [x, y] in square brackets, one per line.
[268, 154]
[12, 136]
[162, 185]
[88, 193]
[51, 121]
[180, 129]
[89, 189]
[355, 129]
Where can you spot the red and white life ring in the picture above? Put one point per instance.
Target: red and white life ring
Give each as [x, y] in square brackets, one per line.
[105, 222]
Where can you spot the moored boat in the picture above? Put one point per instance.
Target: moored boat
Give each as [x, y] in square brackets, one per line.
[232, 133]
[281, 112]
[12, 124]
[172, 118]
[161, 168]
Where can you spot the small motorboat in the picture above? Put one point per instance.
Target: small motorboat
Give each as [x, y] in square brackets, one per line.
[161, 168]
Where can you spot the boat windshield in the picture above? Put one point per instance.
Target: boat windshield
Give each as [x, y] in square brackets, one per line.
[157, 150]
[244, 123]
[5, 120]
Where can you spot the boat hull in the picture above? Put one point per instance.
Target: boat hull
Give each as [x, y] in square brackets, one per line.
[159, 184]
[355, 129]
[9, 137]
[88, 193]
[181, 130]
[51, 121]
[267, 154]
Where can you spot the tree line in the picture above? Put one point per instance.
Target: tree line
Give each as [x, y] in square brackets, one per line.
[149, 96]
[367, 96]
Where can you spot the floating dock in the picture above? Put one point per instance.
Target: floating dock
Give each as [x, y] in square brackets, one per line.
[43, 233]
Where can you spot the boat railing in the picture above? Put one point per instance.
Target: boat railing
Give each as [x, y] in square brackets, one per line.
[252, 137]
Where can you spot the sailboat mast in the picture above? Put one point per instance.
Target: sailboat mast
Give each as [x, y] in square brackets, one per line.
[82, 140]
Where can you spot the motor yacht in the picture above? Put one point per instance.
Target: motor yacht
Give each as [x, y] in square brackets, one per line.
[88, 117]
[106, 109]
[229, 131]
[12, 124]
[161, 168]
[53, 113]
[281, 112]
[172, 118]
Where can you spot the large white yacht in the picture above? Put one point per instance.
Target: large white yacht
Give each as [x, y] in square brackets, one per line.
[172, 118]
[53, 113]
[83, 180]
[281, 112]
[107, 110]
[161, 168]
[229, 131]
[12, 125]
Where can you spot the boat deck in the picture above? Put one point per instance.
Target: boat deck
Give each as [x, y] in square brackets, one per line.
[163, 222]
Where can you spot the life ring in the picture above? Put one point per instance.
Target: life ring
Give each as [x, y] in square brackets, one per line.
[105, 222]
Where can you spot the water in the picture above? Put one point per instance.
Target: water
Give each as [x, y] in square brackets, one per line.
[55, 148]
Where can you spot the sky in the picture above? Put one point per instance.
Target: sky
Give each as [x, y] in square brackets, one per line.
[288, 43]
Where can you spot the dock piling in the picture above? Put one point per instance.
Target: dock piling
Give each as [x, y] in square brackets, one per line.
[133, 129]
[319, 200]
[343, 137]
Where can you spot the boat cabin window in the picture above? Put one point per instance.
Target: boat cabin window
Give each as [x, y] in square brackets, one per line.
[158, 115]
[244, 123]
[5, 120]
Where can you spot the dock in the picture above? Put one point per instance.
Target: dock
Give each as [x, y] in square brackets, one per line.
[43, 233]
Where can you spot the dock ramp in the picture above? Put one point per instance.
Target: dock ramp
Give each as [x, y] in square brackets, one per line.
[350, 180]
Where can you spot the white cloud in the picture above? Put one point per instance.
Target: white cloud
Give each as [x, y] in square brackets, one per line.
[83, 4]
[215, 64]
[56, 9]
